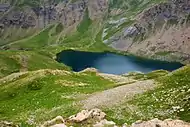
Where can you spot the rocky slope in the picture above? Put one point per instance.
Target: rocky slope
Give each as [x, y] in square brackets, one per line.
[32, 16]
[67, 12]
[161, 31]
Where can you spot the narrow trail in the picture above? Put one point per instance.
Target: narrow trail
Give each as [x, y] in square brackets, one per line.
[117, 95]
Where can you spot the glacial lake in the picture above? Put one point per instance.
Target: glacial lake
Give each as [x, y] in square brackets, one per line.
[111, 63]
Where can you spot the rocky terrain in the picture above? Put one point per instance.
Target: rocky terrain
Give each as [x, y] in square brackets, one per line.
[47, 12]
[97, 118]
[159, 32]
[32, 16]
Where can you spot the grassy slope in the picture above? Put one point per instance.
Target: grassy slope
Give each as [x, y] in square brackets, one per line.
[44, 95]
[14, 61]
[174, 91]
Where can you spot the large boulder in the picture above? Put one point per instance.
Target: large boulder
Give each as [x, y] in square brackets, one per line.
[95, 114]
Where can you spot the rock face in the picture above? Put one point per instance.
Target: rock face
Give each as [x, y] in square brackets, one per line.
[160, 32]
[44, 13]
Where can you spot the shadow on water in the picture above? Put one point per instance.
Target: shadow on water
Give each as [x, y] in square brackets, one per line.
[111, 63]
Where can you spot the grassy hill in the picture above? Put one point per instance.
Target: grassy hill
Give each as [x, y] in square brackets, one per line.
[47, 92]
[41, 95]
[15, 61]
[169, 100]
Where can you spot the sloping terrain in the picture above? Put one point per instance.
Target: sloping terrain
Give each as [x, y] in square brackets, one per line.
[117, 95]
[25, 96]
[41, 95]
[35, 88]
[20, 61]
[159, 31]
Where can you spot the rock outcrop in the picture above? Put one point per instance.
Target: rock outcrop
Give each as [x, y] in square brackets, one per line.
[42, 14]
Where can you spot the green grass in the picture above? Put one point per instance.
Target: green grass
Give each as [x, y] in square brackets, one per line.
[37, 41]
[85, 23]
[47, 95]
[159, 103]
[163, 53]
[8, 65]
[14, 61]
[150, 75]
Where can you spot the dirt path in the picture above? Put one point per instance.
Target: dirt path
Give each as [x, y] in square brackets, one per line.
[116, 95]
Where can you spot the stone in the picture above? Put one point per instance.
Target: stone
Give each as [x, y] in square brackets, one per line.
[7, 124]
[95, 114]
[81, 116]
[98, 114]
[56, 120]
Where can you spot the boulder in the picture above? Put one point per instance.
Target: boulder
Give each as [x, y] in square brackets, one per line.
[56, 121]
[95, 114]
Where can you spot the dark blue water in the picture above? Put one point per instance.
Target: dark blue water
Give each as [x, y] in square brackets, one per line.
[112, 63]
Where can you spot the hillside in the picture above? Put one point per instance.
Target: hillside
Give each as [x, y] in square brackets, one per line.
[37, 96]
[35, 88]
[159, 31]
